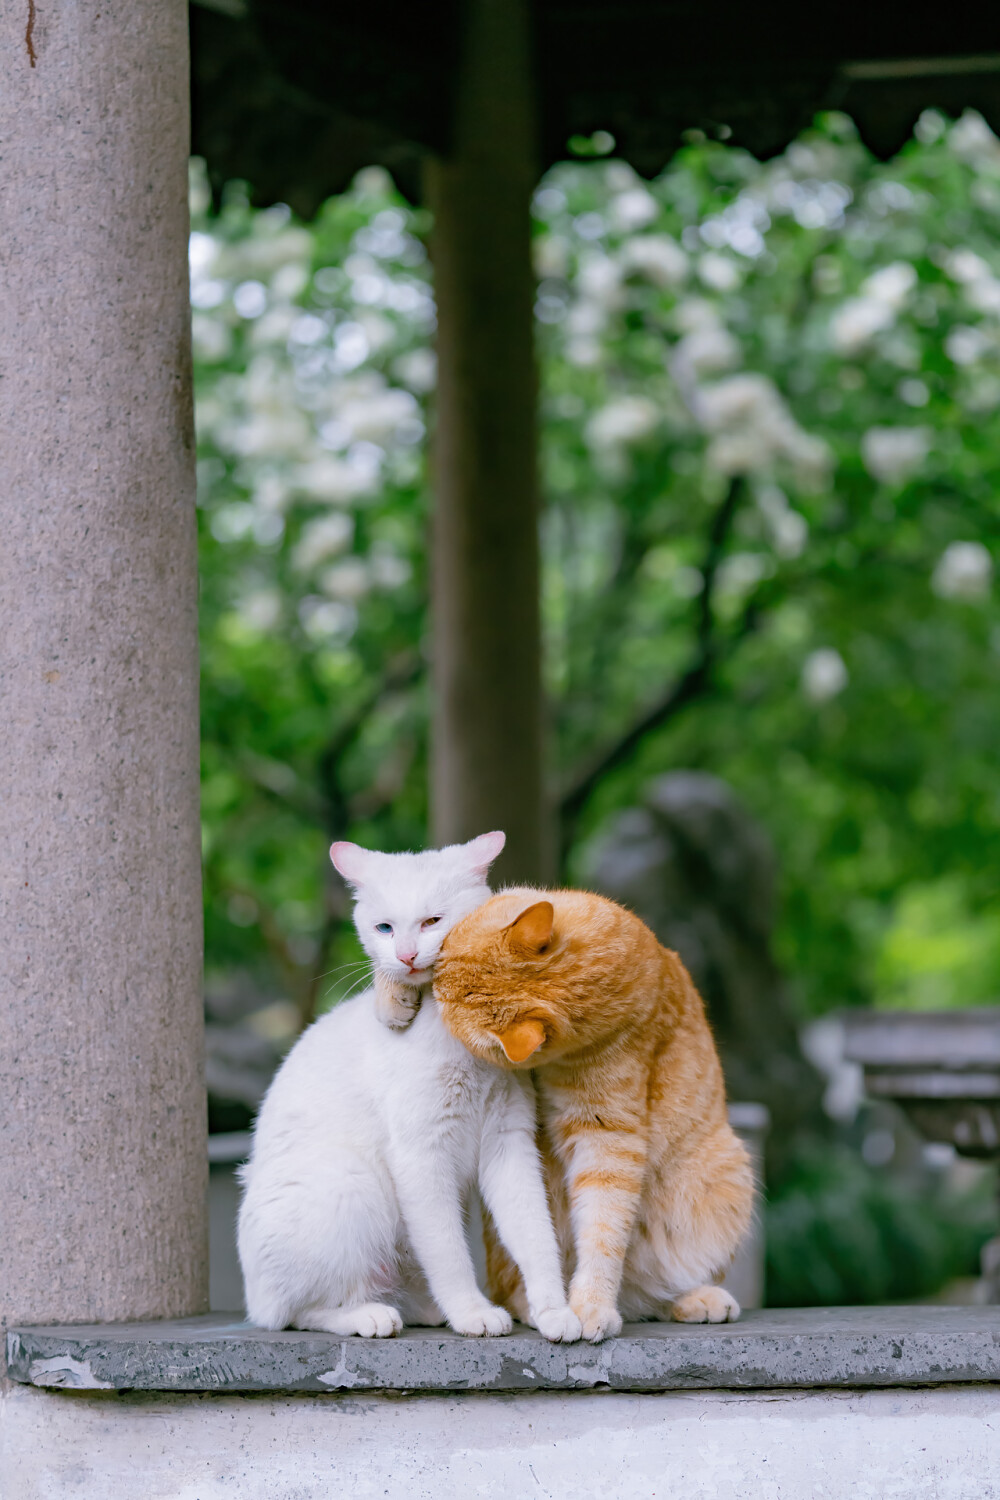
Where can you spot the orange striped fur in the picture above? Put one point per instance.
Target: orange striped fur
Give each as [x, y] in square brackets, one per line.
[651, 1191]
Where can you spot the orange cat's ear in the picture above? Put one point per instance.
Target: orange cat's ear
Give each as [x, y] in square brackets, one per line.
[533, 928]
[521, 1040]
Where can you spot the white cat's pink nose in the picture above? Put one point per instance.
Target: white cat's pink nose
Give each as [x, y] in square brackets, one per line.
[407, 957]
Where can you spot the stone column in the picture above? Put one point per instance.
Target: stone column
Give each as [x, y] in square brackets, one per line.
[102, 1102]
[487, 717]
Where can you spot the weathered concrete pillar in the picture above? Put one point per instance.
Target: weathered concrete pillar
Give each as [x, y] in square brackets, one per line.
[102, 1103]
[487, 718]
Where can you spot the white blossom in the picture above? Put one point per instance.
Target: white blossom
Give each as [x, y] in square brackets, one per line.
[388, 569]
[322, 538]
[230, 523]
[856, 322]
[586, 319]
[984, 295]
[824, 674]
[657, 257]
[583, 350]
[599, 280]
[271, 492]
[250, 299]
[289, 281]
[261, 609]
[972, 140]
[693, 313]
[754, 431]
[983, 394]
[966, 267]
[740, 571]
[307, 329]
[282, 432]
[325, 619]
[965, 345]
[211, 338]
[202, 250]
[892, 455]
[788, 529]
[351, 345]
[913, 392]
[633, 209]
[975, 276]
[626, 420]
[377, 414]
[335, 479]
[417, 369]
[880, 297]
[263, 254]
[347, 580]
[707, 351]
[890, 284]
[719, 272]
[274, 326]
[550, 253]
[268, 527]
[964, 571]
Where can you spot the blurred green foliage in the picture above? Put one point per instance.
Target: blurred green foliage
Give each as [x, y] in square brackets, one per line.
[771, 465]
[839, 1233]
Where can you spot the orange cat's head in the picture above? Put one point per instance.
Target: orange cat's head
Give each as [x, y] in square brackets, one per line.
[499, 983]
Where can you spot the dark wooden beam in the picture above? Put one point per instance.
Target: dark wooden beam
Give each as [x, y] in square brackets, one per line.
[487, 711]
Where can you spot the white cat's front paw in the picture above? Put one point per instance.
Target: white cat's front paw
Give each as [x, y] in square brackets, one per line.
[560, 1324]
[483, 1321]
[396, 1003]
[378, 1321]
[598, 1320]
[401, 1017]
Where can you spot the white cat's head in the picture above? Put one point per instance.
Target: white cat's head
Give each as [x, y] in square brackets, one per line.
[406, 904]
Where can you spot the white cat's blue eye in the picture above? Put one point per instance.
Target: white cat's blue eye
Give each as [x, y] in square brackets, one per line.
[383, 926]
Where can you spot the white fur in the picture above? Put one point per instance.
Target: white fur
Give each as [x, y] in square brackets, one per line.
[407, 892]
[369, 1143]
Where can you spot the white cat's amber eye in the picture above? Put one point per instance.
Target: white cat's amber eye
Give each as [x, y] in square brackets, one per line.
[429, 921]
[383, 926]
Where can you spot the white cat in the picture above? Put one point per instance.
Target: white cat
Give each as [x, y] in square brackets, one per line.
[370, 1141]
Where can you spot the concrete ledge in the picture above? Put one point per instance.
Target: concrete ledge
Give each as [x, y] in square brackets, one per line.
[852, 1347]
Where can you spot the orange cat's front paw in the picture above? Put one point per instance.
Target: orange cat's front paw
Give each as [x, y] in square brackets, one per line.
[598, 1320]
[706, 1304]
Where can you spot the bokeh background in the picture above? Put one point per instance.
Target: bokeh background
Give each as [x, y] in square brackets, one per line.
[770, 449]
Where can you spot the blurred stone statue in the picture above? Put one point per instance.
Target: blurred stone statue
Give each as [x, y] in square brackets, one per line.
[698, 868]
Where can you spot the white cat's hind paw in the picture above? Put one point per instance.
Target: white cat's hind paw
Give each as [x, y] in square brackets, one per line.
[706, 1304]
[483, 1321]
[559, 1324]
[369, 1320]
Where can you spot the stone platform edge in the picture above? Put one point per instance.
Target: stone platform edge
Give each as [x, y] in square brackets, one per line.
[770, 1349]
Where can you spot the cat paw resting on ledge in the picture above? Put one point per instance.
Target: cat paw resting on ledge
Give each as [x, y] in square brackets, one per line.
[651, 1191]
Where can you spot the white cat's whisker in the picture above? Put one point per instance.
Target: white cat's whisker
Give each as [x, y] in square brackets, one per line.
[343, 969]
[356, 988]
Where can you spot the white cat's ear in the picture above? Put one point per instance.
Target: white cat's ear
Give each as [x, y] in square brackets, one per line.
[351, 860]
[481, 852]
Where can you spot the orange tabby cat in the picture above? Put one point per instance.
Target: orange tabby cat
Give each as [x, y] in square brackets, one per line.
[651, 1191]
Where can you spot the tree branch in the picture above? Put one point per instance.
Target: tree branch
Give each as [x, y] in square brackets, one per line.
[691, 685]
[400, 673]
